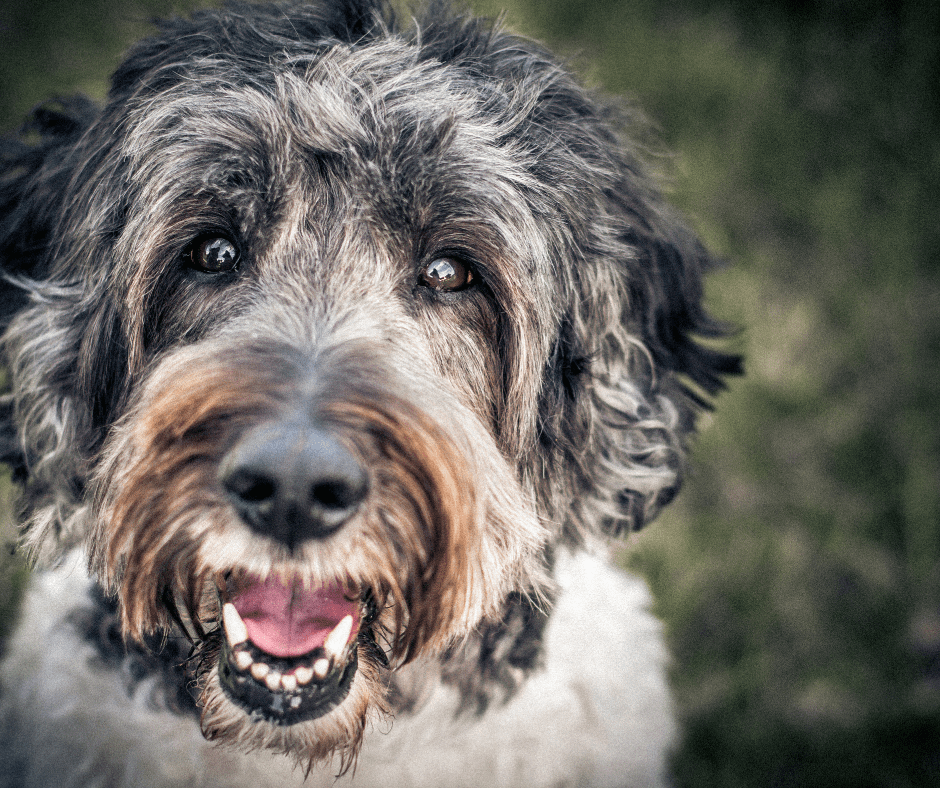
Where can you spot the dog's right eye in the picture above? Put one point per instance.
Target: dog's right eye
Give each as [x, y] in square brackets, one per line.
[213, 255]
[447, 275]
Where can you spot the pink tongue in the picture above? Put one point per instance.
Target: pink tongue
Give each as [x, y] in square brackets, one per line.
[287, 620]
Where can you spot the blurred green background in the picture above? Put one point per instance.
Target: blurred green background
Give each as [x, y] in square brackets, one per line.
[798, 573]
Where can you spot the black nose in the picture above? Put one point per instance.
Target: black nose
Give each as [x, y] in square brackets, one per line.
[293, 481]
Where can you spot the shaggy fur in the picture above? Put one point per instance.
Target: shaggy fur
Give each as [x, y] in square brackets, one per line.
[324, 323]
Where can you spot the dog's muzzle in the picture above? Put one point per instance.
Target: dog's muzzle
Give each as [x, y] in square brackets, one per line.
[314, 524]
[290, 650]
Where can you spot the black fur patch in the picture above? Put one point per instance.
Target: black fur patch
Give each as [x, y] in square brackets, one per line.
[495, 661]
[167, 657]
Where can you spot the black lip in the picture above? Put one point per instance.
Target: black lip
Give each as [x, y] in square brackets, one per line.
[287, 707]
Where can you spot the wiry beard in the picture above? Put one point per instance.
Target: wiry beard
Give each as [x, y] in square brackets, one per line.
[429, 554]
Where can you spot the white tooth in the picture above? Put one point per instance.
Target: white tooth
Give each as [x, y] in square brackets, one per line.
[303, 675]
[337, 639]
[321, 667]
[273, 680]
[259, 670]
[243, 660]
[289, 682]
[235, 629]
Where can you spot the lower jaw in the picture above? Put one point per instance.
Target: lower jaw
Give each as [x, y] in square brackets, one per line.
[283, 706]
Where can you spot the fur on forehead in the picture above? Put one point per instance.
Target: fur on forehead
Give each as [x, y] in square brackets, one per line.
[596, 283]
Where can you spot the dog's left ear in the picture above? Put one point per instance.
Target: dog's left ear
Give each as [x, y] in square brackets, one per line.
[665, 290]
[631, 368]
[34, 174]
[653, 372]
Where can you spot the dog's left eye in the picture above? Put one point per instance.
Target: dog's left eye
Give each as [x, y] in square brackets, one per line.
[447, 274]
[213, 255]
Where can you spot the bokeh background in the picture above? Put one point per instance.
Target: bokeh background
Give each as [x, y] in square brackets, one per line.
[798, 574]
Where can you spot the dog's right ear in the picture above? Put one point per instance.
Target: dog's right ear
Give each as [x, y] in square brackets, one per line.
[34, 174]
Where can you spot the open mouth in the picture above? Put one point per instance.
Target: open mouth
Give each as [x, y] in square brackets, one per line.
[290, 651]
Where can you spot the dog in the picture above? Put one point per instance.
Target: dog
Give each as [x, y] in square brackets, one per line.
[339, 350]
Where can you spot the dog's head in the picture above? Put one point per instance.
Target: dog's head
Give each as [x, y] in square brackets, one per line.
[325, 332]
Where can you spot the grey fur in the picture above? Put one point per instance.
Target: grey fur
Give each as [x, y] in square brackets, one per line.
[342, 154]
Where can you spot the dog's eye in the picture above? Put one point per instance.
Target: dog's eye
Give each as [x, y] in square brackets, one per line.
[447, 274]
[213, 254]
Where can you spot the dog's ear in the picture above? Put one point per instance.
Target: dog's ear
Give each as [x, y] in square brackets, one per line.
[632, 364]
[665, 288]
[651, 370]
[34, 174]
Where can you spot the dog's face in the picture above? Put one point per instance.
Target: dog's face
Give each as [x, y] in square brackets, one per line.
[335, 332]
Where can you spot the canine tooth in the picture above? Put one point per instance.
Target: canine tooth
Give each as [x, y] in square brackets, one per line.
[243, 660]
[259, 670]
[321, 667]
[289, 682]
[303, 674]
[273, 680]
[235, 629]
[337, 639]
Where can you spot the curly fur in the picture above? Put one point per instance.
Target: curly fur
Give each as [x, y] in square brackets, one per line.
[506, 427]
